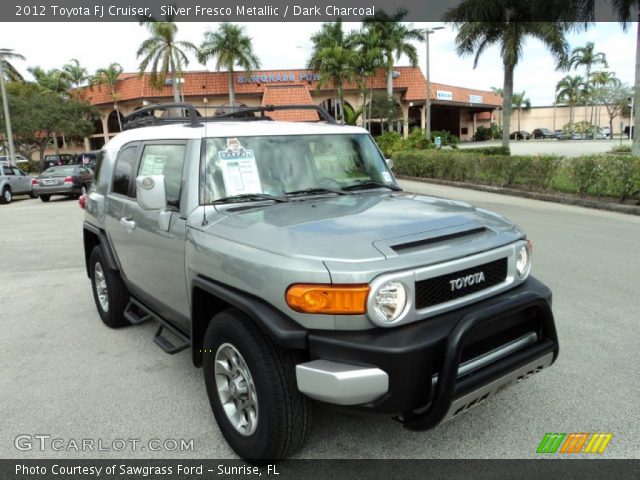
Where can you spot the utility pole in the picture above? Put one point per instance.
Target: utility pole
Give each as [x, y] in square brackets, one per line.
[428, 31]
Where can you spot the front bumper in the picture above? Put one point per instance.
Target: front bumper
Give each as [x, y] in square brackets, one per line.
[422, 370]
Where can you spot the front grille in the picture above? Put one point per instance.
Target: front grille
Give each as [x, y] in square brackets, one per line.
[434, 291]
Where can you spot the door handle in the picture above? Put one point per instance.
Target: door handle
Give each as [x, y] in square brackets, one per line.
[128, 223]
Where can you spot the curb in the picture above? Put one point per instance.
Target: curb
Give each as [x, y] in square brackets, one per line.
[545, 197]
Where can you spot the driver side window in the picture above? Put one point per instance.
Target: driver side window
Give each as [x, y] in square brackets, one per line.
[167, 160]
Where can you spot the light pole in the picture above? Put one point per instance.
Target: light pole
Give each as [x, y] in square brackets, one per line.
[428, 31]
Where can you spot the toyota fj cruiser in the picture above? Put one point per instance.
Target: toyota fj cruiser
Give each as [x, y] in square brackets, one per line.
[286, 256]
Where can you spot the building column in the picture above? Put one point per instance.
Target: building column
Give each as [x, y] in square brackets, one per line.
[423, 117]
[87, 144]
[473, 133]
[105, 127]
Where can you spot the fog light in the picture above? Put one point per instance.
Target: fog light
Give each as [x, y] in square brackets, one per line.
[389, 301]
[523, 261]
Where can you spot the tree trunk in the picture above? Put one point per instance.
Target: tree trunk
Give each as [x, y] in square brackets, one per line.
[571, 118]
[635, 146]
[507, 100]
[175, 83]
[518, 119]
[115, 107]
[232, 91]
[390, 81]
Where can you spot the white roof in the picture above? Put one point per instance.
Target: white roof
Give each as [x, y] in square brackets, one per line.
[229, 129]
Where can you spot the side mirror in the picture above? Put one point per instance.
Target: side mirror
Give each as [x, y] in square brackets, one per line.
[389, 163]
[151, 192]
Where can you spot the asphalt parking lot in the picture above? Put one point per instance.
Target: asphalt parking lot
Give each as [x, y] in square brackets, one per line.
[565, 148]
[66, 375]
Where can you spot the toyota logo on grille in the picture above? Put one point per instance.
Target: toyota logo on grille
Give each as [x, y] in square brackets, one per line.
[466, 281]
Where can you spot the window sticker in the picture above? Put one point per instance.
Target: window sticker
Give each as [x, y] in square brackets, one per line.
[239, 169]
[152, 164]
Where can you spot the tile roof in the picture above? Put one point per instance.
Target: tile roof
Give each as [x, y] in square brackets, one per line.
[410, 82]
[293, 95]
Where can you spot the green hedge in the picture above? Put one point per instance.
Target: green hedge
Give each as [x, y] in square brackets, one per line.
[599, 175]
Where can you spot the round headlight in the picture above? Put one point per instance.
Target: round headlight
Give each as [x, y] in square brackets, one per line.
[389, 301]
[523, 261]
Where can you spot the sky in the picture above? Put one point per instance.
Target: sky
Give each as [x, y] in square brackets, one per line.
[288, 46]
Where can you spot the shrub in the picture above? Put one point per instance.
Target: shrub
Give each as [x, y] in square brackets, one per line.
[448, 139]
[487, 133]
[587, 172]
[416, 141]
[622, 177]
[488, 150]
[389, 142]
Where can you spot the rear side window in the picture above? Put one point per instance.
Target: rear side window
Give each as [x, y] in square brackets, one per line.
[123, 171]
[166, 160]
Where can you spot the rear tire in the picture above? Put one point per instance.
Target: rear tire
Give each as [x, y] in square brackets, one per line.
[109, 292]
[7, 195]
[45, 198]
[268, 418]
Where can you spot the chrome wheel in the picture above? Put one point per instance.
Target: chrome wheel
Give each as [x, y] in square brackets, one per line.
[236, 389]
[101, 287]
[7, 195]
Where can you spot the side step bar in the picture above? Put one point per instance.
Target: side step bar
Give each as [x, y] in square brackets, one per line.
[167, 345]
[137, 313]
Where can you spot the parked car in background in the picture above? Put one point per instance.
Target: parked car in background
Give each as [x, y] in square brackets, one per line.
[13, 181]
[56, 160]
[520, 135]
[88, 159]
[561, 135]
[543, 133]
[626, 131]
[67, 180]
[606, 131]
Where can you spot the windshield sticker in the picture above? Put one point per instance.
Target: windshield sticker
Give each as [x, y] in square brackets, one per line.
[239, 169]
[387, 177]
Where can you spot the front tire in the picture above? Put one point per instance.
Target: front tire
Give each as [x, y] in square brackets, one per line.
[252, 389]
[109, 293]
[7, 195]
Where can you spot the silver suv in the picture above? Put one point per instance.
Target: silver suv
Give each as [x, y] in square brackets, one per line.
[294, 267]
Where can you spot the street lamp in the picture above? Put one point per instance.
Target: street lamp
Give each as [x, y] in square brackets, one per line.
[7, 118]
[428, 31]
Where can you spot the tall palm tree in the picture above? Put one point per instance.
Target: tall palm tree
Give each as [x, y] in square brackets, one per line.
[625, 9]
[395, 40]
[165, 54]
[521, 104]
[507, 24]
[586, 57]
[230, 46]
[9, 71]
[53, 80]
[365, 62]
[570, 91]
[109, 76]
[336, 67]
[76, 75]
[328, 43]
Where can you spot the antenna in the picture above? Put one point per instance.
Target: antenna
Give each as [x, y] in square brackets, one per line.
[206, 164]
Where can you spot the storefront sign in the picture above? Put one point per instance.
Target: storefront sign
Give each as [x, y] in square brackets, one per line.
[444, 95]
[475, 98]
[278, 77]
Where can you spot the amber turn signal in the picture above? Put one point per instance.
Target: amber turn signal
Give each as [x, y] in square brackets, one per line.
[328, 299]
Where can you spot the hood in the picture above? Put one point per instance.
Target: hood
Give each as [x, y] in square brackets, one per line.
[358, 227]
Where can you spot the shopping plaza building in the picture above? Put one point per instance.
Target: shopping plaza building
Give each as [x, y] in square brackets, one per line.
[455, 109]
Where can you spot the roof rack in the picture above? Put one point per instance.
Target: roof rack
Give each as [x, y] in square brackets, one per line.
[186, 113]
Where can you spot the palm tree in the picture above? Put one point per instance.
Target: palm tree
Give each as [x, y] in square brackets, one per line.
[53, 80]
[587, 57]
[395, 40]
[109, 76]
[336, 68]
[624, 9]
[508, 25]
[10, 73]
[365, 62]
[164, 54]
[76, 75]
[521, 104]
[7, 70]
[230, 46]
[570, 91]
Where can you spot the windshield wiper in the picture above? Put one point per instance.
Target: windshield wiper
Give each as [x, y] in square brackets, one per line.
[248, 197]
[315, 191]
[371, 184]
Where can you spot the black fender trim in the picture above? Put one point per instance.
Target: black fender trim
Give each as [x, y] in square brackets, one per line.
[104, 243]
[272, 322]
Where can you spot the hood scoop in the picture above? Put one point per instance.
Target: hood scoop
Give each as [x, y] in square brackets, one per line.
[420, 244]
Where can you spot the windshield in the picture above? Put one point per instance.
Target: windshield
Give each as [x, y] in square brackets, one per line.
[58, 171]
[278, 165]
